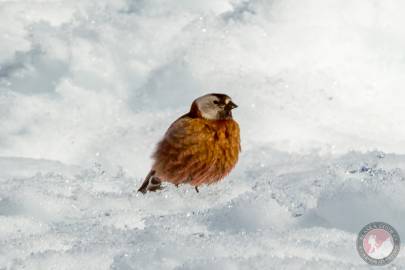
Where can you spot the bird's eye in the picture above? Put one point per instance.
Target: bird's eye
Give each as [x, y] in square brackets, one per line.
[216, 102]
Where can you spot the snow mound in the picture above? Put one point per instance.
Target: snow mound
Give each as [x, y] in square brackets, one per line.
[100, 81]
[295, 212]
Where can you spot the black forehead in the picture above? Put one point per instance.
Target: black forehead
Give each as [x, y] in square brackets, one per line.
[221, 97]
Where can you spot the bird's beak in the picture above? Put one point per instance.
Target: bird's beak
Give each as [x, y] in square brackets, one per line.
[231, 105]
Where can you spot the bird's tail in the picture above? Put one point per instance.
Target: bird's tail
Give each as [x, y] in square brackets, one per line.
[151, 183]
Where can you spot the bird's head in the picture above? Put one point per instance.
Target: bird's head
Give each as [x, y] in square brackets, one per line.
[213, 107]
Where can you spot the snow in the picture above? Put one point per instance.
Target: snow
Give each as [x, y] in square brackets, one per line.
[294, 212]
[88, 87]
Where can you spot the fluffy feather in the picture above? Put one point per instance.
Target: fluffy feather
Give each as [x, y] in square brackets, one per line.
[197, 151]
[201, 147]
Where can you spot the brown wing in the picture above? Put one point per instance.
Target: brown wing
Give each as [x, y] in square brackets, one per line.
[184, 151]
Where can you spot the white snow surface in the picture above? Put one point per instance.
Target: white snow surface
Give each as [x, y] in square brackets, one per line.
[276, 211]
[88, 87]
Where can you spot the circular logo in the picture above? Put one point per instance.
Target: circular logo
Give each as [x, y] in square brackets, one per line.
[378, 243]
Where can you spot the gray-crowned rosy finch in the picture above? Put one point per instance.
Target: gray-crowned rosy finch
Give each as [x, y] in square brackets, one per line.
[200, 147]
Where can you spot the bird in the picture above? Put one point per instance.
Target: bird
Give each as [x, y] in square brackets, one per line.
[200, 147]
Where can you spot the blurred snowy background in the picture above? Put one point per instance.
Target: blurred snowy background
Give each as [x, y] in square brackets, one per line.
[88, 87]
